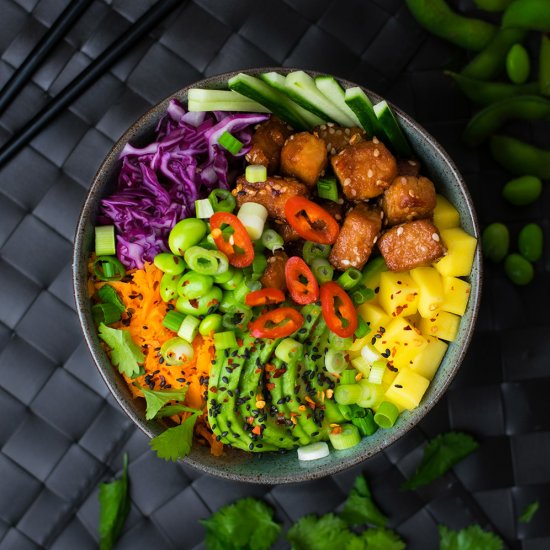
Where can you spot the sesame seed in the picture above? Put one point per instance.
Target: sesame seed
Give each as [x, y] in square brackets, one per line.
[375, 140]
[323, 127]
[403, 180]
[370, 173]
[376, 153]
[400, 231]
[347, 181]
[331, 131]
[435, 237]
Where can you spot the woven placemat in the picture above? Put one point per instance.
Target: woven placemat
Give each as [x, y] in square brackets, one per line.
[60, 431]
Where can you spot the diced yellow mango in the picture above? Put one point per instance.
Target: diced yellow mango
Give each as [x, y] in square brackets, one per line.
[461, 248]
[374, 315]
[457, 293]
[428, 360]
[398, 294]
[400, 343]
[407, 389]
[431, 294]
[445, 214]
[444, 325]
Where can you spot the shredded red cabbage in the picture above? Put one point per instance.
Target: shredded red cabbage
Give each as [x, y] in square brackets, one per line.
[159, 183]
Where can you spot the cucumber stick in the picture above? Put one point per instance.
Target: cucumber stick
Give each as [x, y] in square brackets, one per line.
[301, 88]
[361, 105]
[277, 81]
[269, 97]
[392, 130]
[221, 100]
[328, 86]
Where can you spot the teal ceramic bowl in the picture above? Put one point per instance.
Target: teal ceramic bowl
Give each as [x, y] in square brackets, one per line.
[277, 468]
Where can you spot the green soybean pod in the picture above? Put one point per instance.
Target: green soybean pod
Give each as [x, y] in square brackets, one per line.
[544, 65]
[532, 15]
[495, 241]
[530, 242]
[522, 191]
[518, 65]
[492, 5]
[519, 270]
[519, 157]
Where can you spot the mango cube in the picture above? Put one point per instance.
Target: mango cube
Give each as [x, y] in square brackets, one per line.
[444, 325]
[428, 360]
[374, 315]
[461, 248]
[398, 294]
[456, 293]
[407, 389]
[445, 214]
[400, 343]
[431, 294]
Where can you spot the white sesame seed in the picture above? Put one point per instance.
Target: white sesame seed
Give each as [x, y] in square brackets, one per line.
[329, 124]
[347, 131]
[345, 262]
[403, 180]
[375, 140]
[331, 131]
[370, 173]
[323, 126]
[347, 181]
[412, 162]
[340, 201]
[353, 192]
[328, 146]
[381, 214]
[400, 231]
[375, 239]
[333, 152]
[435, 237]
[376, 153]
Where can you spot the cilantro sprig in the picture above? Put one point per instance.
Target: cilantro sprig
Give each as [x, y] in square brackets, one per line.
[470, 538]
[360, 508]
[176, 442]
[126, 355]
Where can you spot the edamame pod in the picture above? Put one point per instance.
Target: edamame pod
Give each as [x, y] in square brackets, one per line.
[522, 191]
[492, 5]
[532, 15]
[519, 270]
[518, 64]
[530, 242]
[519, 157]
[544, 65]
[495, 241]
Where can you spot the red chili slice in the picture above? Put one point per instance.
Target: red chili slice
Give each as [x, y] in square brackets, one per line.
[265, 297]
[277, 323]
[311, 221]
[338, 310]
[300, 281]
[239, 239]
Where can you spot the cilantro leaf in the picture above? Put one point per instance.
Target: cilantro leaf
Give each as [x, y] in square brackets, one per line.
[440, 454]
[320, 533]
[377, 539]
[171, 410]
[125, 353]
[114, 505]
[245, 525]
[360, 507]
[528, 512]
[470, 538]
[175, 442]
[157, 399]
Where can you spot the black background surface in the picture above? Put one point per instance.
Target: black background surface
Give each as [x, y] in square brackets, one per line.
[60, 431]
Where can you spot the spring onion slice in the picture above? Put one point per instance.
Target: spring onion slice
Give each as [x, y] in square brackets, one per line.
[272, 240]
[377, 371]
[371, 394]
[176, 352]
[222, 200]
[108, 268]
[206, 262]
[173, 320]
[339, 343]
[327, 188]
[313, 451]
[225, 340]
[105, 244]
[347, 438]
[288, 349]
[255, 173]
[386, 415]
[313, 250]
[347, 394]
[230, 143]
[105, 313]
[108, 295]
[350, 278]
[322, 270]
[365, 424]
[369, 355]
[189, 328]
[361, 294]
[348, 376]
[335, 361]
[203, 209]
[360, 364]
[253, 216]
[259, 264]
[238, 318]
[363, 328]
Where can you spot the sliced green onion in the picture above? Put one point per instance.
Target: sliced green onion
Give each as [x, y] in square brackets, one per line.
[386, 415]
[222, 200]
[361, 365]
[288, 349]
[176, 352]
[173, 320]
[363, 328]
[253, 217]
[241, 291]
[105, 240]
[332, 412]
[322, 270]
[194, 285]
[313, 250]
[106, 313]
[255, 173]
[211, 323]
[361, 294]
[377, 371]
[238, 318]
[350, 278]
[272, 240]
[369, 354]
[253, 284]
[259, 264]
[224, 277]
[234, 281]
[108, 268]
[228, 303]
[335, 361]
[313, 451]
[225, 340]
[206, 262]
[339, 343]
[347, 394]
[327, 188]
[365, 424]
[203, 209]
[347, 377]
[371, 394]
[347, 411]
[347, 438]
[189, 328]
[230, 143]
[108, 295]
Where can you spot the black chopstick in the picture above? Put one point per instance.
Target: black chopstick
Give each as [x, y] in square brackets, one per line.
[56, 33]
[88, 76]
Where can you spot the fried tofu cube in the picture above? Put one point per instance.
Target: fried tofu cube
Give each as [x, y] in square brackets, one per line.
[443, 324]
[274, 274]
[428, 360]
[304, 156]
[410, 245]
[407, 389]
[456, 295]
[398, 294]
[365, 169]
[337, 137]
[287, 232]
[445, 214]
[431, 294]
[408, 198]
[356, 238]
[400, 343]
[267, 142]
[461, 249]
[374, 315]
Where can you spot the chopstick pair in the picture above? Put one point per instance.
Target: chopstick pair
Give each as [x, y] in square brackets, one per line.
[82, 81]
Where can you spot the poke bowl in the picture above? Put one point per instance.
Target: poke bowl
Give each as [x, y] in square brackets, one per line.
[277, 274]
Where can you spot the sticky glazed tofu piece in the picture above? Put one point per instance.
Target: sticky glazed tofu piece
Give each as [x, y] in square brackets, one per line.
[356, 238]
[287, 232]
[267, 142]
[272, 193]
[410, 245]
[304, 156]
[408, 167]
[274, 274]
[365, 170]
[338, 137]
[408, 198]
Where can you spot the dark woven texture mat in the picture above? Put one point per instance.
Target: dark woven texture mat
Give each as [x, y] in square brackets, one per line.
[60, 431]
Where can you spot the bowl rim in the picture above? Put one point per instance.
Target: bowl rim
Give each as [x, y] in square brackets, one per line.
[151, 428]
